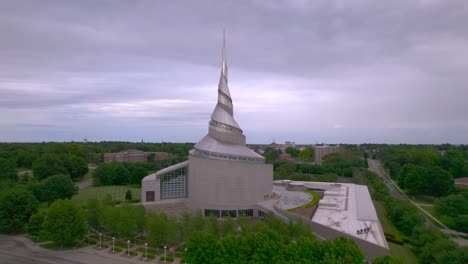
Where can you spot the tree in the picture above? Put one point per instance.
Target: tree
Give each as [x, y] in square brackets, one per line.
[128, 195]
[452, 205]
[76, 166]
[293, 151]
[306, 153]
[47, 165]
[35, 224]
[460, 223]
[16, 207]
[65, 222]
[439, 252]
[228, 226]
[8, 169]
[58, 187]
[387, 260]
[270, 154]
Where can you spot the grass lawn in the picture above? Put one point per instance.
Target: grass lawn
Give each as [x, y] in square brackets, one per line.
[117, 193]
[403, 252]
[315, 200]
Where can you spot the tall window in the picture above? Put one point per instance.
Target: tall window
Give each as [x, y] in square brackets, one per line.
[174, 184]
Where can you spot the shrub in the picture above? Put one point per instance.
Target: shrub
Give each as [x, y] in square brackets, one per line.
[395, 241]
[132, 253]
[91, 241]
[152, 256]
[168, 258]
[117, 249]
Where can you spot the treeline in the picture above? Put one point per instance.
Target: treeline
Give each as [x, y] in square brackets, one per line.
[72, 159]
[427, 170]
[342, 164]
[430, 245]
[116, 173]
[210, 240]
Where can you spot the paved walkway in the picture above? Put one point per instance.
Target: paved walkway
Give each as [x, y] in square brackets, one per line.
[18, 249]
[84, 183]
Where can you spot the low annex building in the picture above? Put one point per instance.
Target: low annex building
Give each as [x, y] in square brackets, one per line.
[221, 176]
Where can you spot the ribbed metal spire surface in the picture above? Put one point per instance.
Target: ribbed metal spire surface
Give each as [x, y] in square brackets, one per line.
[224, 96]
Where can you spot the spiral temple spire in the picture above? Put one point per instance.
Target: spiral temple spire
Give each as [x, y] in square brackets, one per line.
[223, 126]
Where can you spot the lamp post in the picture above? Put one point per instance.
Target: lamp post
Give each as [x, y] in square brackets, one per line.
[100, 236]
[128, 250]
[146, 250]
[165, 253]
[113, 243]
[185, 255]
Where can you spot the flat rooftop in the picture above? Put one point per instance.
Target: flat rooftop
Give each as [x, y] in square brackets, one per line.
[345, 207]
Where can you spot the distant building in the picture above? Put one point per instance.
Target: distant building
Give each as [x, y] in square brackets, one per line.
[288, 144]
[322, 151]
[276, 146]
[134, 156]
[462, 182]
[284, 156]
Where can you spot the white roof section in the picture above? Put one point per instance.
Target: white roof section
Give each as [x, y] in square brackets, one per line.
[152, 177]
[365, 207]
[347, 208]
[212, 145]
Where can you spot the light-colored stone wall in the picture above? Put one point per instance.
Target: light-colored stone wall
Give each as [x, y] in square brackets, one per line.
[226, 184]
[151, 185]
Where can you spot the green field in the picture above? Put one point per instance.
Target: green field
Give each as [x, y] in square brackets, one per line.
[403, 252]
[116, 192]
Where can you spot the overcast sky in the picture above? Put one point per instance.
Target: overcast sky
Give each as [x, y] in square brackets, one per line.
[350, 71]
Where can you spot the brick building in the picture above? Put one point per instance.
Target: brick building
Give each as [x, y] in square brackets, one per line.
[133, 155]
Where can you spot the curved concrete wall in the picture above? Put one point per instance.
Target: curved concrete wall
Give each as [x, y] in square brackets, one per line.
[227, 184]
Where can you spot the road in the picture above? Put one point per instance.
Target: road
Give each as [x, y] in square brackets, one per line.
[396, 192]
[17, 249]
[375, 166]
[84, 183]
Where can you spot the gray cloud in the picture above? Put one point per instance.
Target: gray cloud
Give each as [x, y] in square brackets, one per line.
[335, 71]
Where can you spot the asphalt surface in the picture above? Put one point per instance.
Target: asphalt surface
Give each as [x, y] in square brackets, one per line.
[17, 249]
[375, 166]
[84, 183]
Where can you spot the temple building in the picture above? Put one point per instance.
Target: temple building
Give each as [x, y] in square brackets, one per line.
[222, 176]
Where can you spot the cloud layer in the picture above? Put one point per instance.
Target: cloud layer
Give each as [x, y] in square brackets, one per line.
[328, 71]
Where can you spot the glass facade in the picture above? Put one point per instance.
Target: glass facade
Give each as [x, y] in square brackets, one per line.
[174, 184]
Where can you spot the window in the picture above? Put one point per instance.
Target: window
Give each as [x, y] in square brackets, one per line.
[150, 196]
[262, 214]
[248, 212]
[174, 184]
[226, 213]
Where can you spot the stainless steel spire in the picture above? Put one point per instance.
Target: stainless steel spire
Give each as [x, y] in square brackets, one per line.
[223, 126]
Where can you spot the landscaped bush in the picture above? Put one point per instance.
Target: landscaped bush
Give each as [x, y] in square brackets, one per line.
[152, 256]
[132, 253]
[91, 241]
[394, 240]
[117, 249]
[168, 258]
